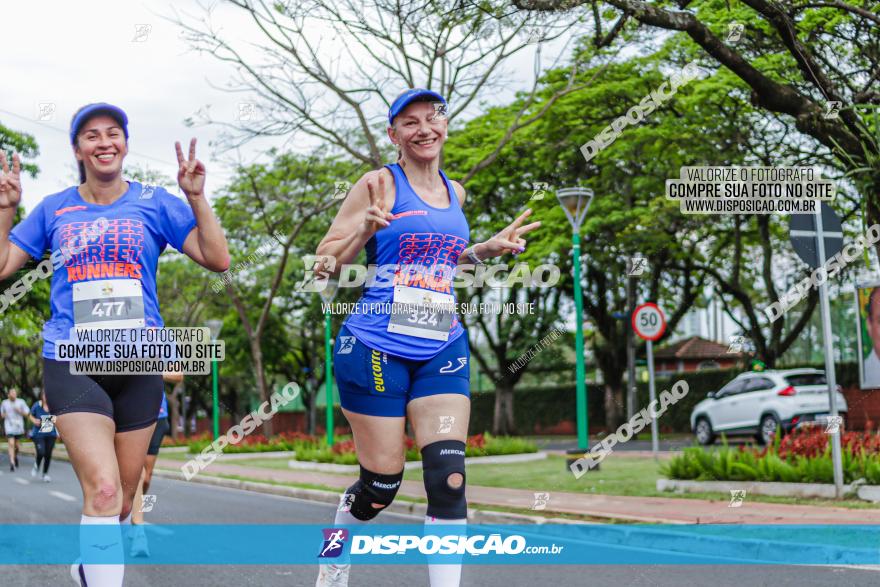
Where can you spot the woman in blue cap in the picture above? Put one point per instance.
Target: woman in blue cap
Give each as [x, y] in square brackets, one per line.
[106, 235]
[403, 353]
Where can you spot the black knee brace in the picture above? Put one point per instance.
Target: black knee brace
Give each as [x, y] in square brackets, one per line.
[369, 489]
[440, 460]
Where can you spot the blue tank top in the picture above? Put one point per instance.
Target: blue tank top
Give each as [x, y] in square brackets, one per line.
[418, 250]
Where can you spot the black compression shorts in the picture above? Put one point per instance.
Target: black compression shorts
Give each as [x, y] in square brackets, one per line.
[131, 401]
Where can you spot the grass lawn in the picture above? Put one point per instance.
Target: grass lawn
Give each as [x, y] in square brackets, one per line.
[625, 475]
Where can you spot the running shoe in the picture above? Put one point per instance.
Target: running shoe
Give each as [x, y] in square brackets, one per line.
[333, 576]
[12, 467]
[139, 545]
[46, 478]
[34, 470]
[77, 574]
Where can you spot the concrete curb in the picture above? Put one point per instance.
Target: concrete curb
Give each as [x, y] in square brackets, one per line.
[476, 516]
[272, 454]
[822, 490]
[417, 465]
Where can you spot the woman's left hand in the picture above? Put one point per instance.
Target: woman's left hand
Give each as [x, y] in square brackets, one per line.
[191, 175]
[509, 239]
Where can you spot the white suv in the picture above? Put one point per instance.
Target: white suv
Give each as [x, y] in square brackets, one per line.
[758, 402]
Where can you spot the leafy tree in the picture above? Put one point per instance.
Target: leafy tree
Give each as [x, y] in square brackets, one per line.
[21, 325]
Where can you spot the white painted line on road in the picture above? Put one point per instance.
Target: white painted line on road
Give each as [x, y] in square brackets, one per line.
[21, 481]
[61, 495]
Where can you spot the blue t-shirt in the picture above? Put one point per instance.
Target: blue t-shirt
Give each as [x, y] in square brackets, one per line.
[139, 225]
[38, 412]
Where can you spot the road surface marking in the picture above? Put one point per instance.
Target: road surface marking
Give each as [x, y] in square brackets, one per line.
[21, 481]
[62, 495]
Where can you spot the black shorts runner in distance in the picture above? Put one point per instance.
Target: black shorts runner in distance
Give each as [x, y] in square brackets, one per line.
[162, 428]
[132, 401]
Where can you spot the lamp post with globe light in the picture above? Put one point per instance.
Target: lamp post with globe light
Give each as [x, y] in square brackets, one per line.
[575, 202]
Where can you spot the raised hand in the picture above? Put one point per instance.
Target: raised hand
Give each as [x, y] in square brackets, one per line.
[10, 182]
[509, 239]
[377, 216]
[191, 175]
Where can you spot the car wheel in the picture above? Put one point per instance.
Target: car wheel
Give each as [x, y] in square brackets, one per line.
[703, 432]
[767, 429]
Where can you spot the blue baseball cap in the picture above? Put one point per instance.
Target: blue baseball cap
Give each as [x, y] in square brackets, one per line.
[90, 111]
[410, 96]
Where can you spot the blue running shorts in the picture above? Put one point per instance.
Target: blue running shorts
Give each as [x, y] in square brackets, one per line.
[376, 383]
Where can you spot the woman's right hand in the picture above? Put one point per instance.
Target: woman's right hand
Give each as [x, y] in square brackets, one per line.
[10, 182]
[377, 216]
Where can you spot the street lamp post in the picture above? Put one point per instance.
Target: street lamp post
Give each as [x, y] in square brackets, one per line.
[575, 202]
[215, 326]
[328, 294]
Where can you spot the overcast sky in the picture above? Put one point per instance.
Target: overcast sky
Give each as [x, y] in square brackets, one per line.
[60, 55]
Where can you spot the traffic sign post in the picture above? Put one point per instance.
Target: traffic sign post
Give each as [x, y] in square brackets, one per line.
[649, 323]
[816, 238]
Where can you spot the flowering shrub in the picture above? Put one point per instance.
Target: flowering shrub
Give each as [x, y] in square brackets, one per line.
[804, 456]
[313, 448]
[256, 442]
[343, 452]
[812, 441]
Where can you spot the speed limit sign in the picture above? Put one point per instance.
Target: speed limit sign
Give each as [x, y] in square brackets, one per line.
[648, 321]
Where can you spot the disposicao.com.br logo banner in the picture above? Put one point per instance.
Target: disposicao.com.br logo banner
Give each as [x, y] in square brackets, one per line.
[544, 544]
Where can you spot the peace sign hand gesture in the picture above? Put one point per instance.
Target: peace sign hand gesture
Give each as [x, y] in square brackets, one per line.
[10, 182]
[509, 240]
[377, 216]
[191, 175]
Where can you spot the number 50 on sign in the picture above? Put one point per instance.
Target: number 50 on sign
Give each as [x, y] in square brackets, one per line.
[648, 322]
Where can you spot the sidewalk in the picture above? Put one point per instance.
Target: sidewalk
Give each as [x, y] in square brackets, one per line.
[637, 509]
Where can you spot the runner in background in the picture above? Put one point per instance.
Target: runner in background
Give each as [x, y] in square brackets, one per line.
[139, 544]
[106, 420]
[43, 434]
[13, 411]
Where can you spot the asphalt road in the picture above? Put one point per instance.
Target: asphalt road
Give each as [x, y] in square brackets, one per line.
[26, 500]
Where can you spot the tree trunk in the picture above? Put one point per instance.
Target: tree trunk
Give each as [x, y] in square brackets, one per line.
[174, 408]
[502, 418]
[313, 413]
[613, 405]
[257, 354]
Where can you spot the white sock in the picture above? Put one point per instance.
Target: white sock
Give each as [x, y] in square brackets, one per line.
[101, 575]
[446, 575]
[345, 519]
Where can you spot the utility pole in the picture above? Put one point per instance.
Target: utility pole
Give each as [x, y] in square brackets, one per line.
[630, 343]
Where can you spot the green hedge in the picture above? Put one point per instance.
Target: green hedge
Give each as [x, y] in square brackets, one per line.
[727, 464]
[544, 406]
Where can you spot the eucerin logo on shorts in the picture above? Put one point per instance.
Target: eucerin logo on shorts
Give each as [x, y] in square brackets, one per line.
[378, 381]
